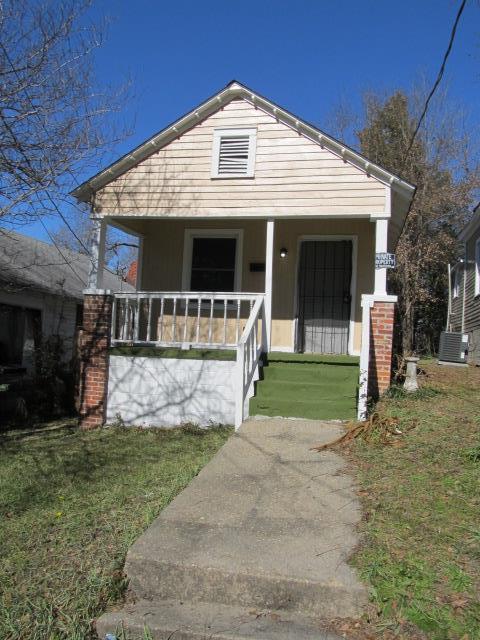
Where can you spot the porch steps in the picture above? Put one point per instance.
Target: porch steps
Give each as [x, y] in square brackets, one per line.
[311, 386]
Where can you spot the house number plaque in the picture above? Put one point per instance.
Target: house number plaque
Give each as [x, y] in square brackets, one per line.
[385, 261]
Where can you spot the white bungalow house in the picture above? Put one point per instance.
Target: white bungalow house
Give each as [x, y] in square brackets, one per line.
[259, 235]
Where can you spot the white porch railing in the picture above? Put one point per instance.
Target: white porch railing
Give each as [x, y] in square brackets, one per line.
[250, 348]
[197, 319]
[182, 319]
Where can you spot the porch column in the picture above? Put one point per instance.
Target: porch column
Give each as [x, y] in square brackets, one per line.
[381, 245]
[377, 326]
[97, 254]
[95, 336]
[269, 281]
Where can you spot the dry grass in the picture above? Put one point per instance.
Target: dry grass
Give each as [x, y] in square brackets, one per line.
[421, 497]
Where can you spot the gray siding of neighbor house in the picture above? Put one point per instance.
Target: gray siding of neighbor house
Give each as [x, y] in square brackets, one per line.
[472, 302]
[58, 316]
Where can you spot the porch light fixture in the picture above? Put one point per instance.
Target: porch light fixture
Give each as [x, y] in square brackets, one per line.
[283, 252]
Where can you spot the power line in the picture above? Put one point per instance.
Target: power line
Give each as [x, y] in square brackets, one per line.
[437, 81]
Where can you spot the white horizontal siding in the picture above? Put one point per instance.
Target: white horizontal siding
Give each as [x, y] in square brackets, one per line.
[293, 175]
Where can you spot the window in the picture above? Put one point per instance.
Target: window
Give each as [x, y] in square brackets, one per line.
[456, 280]
[233, 154]
[212, 260]
[477, 267]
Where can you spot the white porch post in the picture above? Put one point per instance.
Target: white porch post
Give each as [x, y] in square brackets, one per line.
[269, 281]
[97, 254]
[381, 245]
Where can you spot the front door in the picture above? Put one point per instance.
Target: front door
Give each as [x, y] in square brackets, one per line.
[325, 275]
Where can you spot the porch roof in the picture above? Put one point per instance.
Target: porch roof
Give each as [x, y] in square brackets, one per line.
[237, 90]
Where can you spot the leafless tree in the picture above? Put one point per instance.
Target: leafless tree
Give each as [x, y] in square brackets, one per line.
[55, 118]
[121, 248]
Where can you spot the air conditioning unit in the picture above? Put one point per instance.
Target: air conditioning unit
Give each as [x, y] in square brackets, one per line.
[453, 348]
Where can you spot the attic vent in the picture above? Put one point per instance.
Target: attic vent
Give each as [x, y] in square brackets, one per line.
[233, 153]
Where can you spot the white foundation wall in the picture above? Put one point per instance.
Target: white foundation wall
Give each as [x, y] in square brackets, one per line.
[170, 392]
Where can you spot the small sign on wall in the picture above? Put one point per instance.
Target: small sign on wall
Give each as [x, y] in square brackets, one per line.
[385, 261]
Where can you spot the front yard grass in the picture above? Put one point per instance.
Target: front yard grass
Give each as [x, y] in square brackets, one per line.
[71, 503]
[421, 554]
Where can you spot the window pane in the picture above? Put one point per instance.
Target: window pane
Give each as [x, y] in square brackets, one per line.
[214, 253]
[213, 264]
[210, 280]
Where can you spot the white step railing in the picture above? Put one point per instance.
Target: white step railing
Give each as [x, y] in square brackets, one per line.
[250, 348]
[182, 319]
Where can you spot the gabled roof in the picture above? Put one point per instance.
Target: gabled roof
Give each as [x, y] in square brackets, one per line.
[232, 91]
[30, 264]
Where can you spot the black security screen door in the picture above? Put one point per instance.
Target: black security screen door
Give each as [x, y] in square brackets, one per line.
[213, 264]
[324, 299]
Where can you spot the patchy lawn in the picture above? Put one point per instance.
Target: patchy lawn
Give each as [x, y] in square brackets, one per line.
[422, 500]
[71, 503]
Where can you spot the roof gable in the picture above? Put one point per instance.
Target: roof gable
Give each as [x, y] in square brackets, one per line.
[232, 91]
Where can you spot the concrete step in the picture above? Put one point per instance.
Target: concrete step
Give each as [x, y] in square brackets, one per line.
[201, 584]
[174, 619]
[223, 565]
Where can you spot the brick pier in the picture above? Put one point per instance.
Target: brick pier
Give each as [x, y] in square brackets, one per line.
[381, 339]
[97, 313]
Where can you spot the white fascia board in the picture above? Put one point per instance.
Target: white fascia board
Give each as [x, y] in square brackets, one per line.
[234, 90]
[227, 214]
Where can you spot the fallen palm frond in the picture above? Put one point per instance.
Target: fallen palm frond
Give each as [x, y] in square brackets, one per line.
[377, 428]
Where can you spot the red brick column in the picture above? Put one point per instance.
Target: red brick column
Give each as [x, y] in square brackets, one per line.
[97, 313]
[381, 339]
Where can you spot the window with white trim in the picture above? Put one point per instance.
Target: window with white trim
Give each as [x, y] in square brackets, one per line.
[477, 267]
[233, 153]
[212, 260]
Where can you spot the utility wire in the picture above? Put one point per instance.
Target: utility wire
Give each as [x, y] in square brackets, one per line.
[437, 81]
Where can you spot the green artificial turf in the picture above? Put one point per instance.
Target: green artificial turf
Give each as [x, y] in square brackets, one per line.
[310, 386]
[174, 352]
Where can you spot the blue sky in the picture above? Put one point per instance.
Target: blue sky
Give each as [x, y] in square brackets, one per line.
[305, 55]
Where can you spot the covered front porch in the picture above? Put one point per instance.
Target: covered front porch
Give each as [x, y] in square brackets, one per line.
[198, 280]
[250, 286]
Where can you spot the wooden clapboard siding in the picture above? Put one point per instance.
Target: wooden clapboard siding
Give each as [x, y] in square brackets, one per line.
[470, 309]
[472, 302]
[293, 175]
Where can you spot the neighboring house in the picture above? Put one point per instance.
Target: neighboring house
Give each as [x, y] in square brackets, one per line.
[464, 307]
[41, 294]
[258, 234]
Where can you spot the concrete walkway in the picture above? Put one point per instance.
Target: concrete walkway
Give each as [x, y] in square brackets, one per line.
[255, 547]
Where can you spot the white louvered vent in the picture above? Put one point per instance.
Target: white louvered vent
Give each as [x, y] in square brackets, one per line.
[233, 153]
